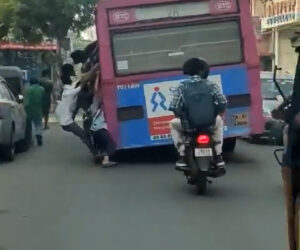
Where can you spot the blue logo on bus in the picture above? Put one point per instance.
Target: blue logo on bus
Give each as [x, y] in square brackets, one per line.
[158, 100]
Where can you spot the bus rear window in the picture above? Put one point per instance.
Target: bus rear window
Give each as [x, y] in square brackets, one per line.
[168, 48]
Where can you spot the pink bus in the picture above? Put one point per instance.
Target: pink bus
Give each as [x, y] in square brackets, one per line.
[143, 45]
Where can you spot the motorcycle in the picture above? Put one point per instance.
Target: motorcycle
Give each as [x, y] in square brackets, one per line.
[280, 111]
[200, 152]
[290, 162]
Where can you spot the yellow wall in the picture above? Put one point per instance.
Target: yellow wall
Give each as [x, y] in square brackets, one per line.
[257, 8]
[287, 55]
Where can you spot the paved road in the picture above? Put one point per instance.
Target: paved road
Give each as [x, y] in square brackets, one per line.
[55, 198]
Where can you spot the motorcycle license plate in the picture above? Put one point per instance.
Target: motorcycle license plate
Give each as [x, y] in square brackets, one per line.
[203, 152]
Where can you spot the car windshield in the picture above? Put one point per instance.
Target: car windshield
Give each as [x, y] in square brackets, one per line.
[4, 94]
[169, 48]
[270, 91]
[269, 105]
[14, 84]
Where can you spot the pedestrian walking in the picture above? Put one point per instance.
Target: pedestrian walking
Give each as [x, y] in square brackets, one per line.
[34, 103]
[48, 85]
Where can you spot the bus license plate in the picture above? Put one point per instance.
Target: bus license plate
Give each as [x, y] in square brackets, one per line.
[203, 152]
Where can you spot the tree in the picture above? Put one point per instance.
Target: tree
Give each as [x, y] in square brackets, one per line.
[37, 19]
[7, 13]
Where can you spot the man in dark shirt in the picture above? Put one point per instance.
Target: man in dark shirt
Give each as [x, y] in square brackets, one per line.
[47, 84]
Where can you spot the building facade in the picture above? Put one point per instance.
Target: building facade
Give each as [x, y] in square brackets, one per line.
[276, 21]
[89, 34]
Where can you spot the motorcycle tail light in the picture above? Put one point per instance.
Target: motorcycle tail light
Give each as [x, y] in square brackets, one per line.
[203, 139]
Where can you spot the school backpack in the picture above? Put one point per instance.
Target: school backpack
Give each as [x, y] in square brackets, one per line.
[199, 105]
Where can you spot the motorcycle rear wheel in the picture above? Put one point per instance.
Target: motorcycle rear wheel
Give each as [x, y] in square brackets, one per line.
[199, 176]
[201, 184]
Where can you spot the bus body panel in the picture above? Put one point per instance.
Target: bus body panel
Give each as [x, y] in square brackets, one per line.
[252, 61]
[154, 97]
[127, 99]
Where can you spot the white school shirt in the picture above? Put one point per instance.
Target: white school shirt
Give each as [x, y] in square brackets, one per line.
[99, 121]
[65, 108]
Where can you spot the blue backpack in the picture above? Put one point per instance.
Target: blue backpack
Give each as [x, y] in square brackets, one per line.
[199, 105]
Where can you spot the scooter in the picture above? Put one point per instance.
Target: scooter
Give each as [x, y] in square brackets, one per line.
[200, 152]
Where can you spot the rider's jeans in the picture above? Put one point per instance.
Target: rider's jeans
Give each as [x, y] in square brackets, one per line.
[178, 137]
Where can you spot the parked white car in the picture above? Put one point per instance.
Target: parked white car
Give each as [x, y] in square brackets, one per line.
[15, 133]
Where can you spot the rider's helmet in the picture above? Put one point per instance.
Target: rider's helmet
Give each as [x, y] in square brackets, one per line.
[196, 66]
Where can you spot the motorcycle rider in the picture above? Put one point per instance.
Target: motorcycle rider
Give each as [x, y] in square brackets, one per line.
[198, 72]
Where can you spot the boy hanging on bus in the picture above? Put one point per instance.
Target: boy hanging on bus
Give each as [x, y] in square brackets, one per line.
[101, 137]
[198, 72]
[87, 57]
[65, 108]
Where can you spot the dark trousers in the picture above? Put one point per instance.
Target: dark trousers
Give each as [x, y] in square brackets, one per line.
[79, 132]
[103, 141]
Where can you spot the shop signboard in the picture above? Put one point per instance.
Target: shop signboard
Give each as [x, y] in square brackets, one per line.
[280, 13]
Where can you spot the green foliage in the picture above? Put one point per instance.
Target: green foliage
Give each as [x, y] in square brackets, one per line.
[79, 44]
[7, 13]
[35, 19]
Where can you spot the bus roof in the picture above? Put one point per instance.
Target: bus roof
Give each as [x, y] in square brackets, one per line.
[126, 3]
[133, 11]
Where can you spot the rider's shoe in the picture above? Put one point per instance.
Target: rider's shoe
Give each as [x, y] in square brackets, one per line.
[219, 168]
[181, 164]
[181, 161]
[219, 162]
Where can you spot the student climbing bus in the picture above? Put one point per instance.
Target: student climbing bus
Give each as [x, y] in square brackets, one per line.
[142, 47]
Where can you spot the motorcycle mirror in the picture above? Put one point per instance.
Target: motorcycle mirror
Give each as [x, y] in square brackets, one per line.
[20, 98]
[276, 83]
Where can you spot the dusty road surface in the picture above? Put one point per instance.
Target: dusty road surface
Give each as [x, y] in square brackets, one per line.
[55, 198]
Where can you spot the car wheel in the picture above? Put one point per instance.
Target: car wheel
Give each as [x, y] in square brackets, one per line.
[9, 151]
[24, 145]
